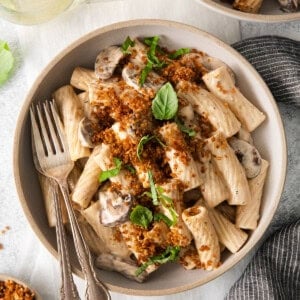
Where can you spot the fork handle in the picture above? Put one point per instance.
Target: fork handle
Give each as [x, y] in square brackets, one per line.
[94, 288]
[68, 290]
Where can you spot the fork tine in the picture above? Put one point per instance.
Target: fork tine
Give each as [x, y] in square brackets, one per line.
[59, 126]
[37, 143]
[53, 132]
[44, 132]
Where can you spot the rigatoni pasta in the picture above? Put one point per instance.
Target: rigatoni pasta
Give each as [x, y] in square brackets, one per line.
[157, 133]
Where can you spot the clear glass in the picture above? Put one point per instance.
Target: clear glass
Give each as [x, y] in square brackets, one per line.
[33, 11]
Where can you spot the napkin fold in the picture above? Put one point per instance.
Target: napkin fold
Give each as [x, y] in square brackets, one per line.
[277, 60]
[274, 272]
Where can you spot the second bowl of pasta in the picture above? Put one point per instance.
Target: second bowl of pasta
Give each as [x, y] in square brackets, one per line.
[173, 180]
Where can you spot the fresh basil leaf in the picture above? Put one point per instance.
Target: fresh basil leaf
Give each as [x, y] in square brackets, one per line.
[145, 72]
[112, 172]
[6, 61]
[165, 103]
[141, 216]
[153, 189]
[190, 132]
[130, 168]
[127, 43]
[169, 255]
[179, 52]
[161, 217]
[145, 139]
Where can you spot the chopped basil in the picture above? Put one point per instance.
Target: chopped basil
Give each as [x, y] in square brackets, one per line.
[153, 189]
[190, 132]
[145, 72]
[164, 218]
[153, 60]
[6, 61]
[165, 103]
[125, 46]
[141, 216]
[169, 255]
[112, 172]
[145, 139]
[130, 168]
[179, 52]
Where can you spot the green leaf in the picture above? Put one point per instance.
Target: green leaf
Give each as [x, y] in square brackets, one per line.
[145, 72]
[169, 255]
[112, 172]
[179, 52]
[161, 217]
[145, 139]
[141, 216]
[190, 132]
[130, 168]
[6, 61]
[126, 44]
[153, 189]
[165, 103]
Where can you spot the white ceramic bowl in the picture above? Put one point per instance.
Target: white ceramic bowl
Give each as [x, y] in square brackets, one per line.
[269, 13]
[4, 277]
[269, 138]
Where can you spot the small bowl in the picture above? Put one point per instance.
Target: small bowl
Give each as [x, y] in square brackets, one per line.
[269, 13]
[4, 277]
[170, 278]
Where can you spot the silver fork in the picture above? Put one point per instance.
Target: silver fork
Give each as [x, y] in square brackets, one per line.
[52, 158]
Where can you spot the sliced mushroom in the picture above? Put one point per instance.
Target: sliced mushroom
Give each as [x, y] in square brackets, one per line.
[289, 5]
[114, 207]
[85, 133]
[131, 76]
[107, 61]
[248, 156]
[110, 262]
[244, 135]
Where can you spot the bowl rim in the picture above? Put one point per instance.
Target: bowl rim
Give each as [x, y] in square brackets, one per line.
[243, 16]
[24, 111]
[4, 277]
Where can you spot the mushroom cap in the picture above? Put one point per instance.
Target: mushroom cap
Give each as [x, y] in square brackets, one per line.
[248, 156]
[85, 133]
[115, 207]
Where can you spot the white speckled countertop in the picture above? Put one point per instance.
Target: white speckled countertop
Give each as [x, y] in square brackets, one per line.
[23, 256]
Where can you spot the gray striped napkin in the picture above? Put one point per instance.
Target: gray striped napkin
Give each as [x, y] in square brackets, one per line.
[274, 272]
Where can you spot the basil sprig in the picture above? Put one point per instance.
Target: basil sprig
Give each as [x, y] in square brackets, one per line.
[144, 140]
[141, 216]
[161, 217]
[158, 197]
[165, 103]
[169, 255]
[152, 60]
[126, 44]
[112, 172]
[179, 52]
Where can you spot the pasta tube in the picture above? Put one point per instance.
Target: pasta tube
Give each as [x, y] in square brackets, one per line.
[180, 160]
[249, 6]
[247, 215]
[220, 83]
[207, 105]
[206, 240]
[71, 113]
[88, 181]
[111, 240]
[232, 171]
[82, 77]
[229, 235]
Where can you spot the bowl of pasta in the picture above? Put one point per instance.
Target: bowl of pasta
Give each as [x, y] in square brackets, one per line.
[265, 11]
[179, 154]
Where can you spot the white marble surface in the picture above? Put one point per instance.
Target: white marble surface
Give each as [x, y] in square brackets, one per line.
[23, 255]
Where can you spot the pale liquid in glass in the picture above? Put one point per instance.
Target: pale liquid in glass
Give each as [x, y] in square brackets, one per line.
[32, 11]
